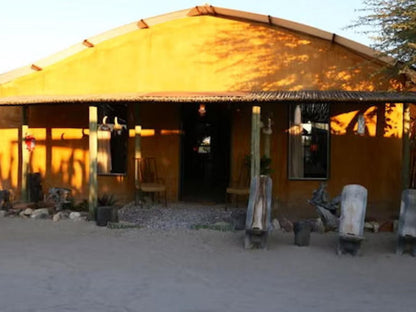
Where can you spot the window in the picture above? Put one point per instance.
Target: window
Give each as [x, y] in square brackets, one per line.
[205, 146]
[308, 141]
[112, 139]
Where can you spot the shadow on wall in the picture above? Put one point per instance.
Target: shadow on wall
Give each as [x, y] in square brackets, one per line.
[383, 120]
[61, 163]
[257, 61]
[6, 177]
[61, 156]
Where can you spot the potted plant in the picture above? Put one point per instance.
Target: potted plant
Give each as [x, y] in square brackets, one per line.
[107, 210]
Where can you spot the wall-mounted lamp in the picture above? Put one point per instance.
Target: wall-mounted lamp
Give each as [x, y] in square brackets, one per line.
[202, 111]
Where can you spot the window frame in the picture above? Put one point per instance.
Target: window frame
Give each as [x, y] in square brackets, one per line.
[291, 108]
[111, 109]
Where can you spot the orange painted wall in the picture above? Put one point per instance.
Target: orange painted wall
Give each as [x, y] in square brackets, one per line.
[61, 154]
[203, 53]
[164, 119]
[372, 160]
[10, 131]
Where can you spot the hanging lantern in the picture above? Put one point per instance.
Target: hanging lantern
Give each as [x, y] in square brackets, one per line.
[30, 142]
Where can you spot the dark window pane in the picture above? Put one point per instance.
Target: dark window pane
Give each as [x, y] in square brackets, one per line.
[308, 141]
[112, 139]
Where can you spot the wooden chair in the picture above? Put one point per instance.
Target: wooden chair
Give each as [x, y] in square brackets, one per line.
[148, 179]
[241, 187]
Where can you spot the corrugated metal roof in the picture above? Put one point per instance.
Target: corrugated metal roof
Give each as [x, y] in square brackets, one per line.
[308, 96]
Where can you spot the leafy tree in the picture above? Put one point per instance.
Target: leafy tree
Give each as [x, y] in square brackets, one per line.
[392, 26]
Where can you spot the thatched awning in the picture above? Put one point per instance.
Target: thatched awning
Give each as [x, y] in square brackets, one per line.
[217, 97]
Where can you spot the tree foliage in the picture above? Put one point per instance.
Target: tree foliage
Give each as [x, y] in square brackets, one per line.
[392, 26]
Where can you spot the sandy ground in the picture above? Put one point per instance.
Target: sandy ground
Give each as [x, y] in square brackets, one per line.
[77, 266]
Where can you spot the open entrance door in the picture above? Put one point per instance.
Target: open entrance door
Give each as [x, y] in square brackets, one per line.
[205, 152]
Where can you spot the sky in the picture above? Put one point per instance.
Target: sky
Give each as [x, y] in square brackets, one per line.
[33, 29]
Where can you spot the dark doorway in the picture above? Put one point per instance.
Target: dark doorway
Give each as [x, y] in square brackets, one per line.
[205, 152]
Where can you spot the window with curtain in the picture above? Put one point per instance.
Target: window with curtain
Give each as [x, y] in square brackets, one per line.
[308, 141]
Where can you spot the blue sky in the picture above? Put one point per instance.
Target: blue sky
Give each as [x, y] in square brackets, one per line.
[33, 29]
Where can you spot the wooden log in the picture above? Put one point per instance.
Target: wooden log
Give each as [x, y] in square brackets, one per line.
[25, 157]
[406, 148]
[353, 208]
[407, 218]
[267, 132]
[93, 147]
[258, 217]
[137, 155]
[255, 141]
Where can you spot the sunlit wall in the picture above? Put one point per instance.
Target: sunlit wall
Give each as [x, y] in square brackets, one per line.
[202, 54]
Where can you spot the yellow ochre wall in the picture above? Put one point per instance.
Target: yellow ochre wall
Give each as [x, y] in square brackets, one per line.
[61, 153]
[10, 132]
[202, 54]
[372, 160]
[206, 54]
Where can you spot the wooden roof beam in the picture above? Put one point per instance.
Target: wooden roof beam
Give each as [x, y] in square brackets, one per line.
[195, 11]
[202, 10]
[88, 43]
[35, 67]
[142, 24]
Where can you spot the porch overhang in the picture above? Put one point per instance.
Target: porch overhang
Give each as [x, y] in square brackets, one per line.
[305, 96]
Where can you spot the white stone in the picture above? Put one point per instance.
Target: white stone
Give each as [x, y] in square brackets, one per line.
[42, 213]
[2, 213]
[368, 226]
[276, 224]
[57, 217]
[22, 214]
[75, 216]
[28, 211]
[376, 227]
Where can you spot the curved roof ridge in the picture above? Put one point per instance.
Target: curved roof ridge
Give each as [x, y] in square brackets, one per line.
[195, 11]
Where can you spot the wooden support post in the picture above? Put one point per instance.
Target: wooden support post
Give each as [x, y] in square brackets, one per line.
[137, 153]
[255, 141]
[406, 147]
[138, 142]
[267, 132]
[93, 146]
[25, 157]
[266, 145]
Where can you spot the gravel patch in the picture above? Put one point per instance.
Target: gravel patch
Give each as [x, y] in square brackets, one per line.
[182, 216]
